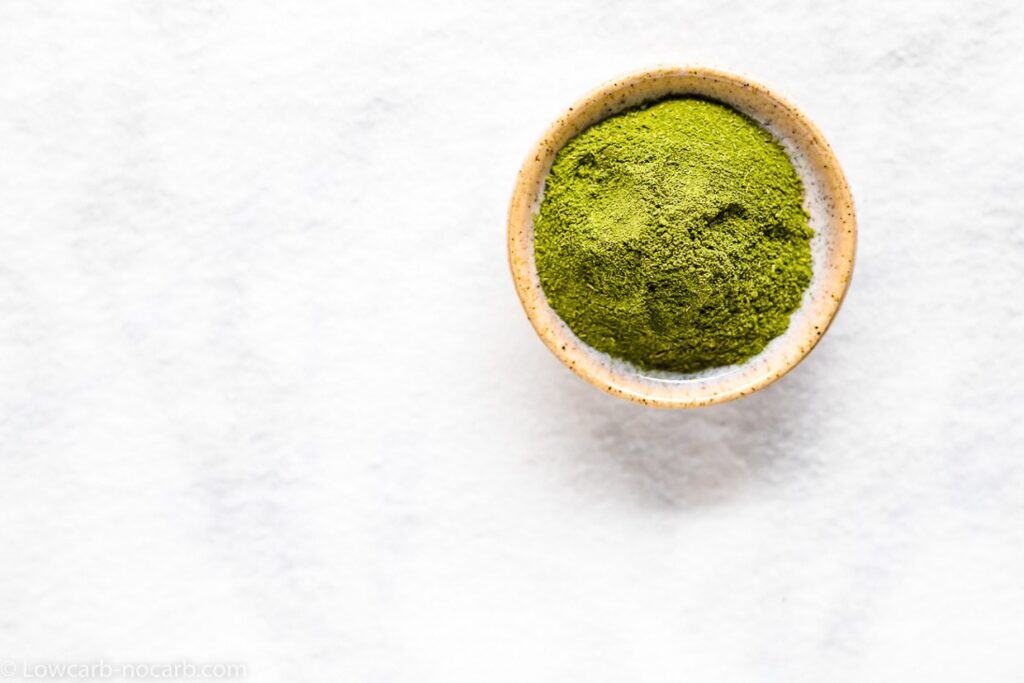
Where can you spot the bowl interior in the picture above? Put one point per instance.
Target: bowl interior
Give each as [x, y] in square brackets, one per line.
[826, 198]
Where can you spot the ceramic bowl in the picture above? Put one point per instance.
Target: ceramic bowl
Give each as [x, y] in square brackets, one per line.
[826, 198]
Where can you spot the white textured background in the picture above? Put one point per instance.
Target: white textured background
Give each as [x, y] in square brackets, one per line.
[267, 394]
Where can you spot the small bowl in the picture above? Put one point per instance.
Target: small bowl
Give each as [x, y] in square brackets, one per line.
[826, 198]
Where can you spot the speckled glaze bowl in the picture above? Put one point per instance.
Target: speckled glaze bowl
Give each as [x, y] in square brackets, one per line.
[826, 198]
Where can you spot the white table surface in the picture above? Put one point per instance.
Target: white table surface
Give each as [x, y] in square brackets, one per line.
[267, 395]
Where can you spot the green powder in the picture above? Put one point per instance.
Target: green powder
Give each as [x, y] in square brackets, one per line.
[674, 236]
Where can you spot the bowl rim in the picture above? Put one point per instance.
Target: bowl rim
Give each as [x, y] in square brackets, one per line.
[605, 101]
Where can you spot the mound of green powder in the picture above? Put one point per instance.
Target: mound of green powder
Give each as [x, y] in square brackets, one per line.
[674, 236]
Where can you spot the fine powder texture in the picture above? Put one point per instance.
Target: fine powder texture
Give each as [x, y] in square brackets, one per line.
[674, 236]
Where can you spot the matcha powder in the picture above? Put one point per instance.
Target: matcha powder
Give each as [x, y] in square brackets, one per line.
[674, 236]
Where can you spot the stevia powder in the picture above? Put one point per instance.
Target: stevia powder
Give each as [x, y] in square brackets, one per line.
[673, 236]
